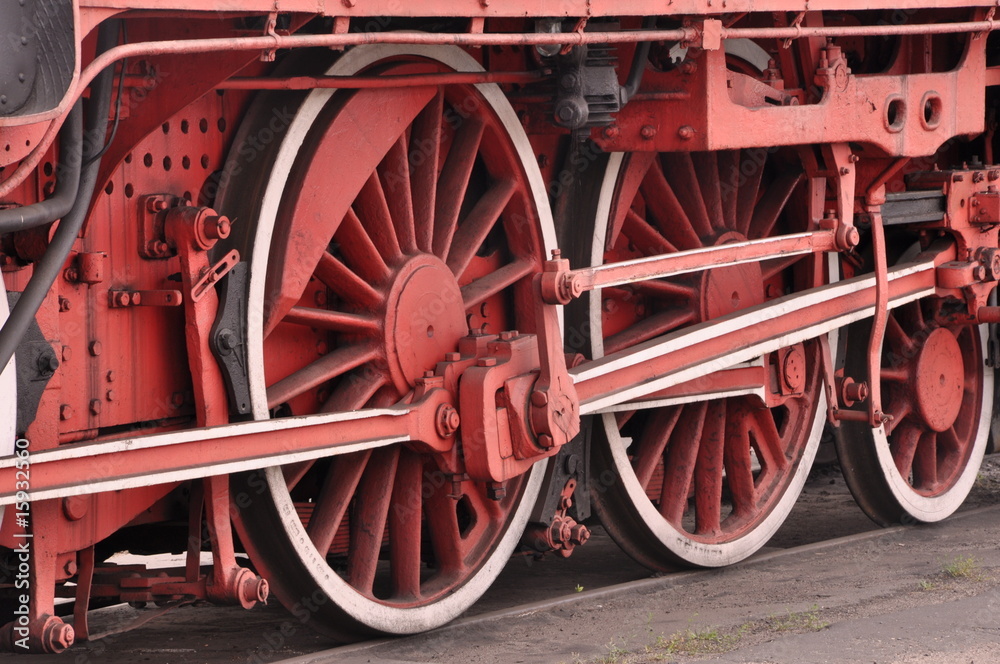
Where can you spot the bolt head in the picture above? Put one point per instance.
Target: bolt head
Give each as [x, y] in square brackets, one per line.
[686, 132]
[95, 348]
[648, 132]
[539, 398]
[65, 412]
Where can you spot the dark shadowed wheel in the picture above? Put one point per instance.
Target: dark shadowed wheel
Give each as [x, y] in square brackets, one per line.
[385, 225]
[921, 465]
[705, 472]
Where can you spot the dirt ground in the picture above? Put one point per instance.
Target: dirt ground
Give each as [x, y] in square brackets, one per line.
[927, 594]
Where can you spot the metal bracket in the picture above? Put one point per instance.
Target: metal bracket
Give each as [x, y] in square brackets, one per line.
[228, 338]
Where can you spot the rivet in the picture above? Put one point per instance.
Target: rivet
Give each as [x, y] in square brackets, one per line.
[95, 406]
[111, 376]
[110, 396]
[686, 132]
[67, 353]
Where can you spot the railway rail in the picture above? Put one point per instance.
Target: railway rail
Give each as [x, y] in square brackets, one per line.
[376, 295]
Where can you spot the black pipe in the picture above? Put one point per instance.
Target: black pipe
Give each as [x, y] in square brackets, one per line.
[67, 182]
[48, 268]
[639, 61]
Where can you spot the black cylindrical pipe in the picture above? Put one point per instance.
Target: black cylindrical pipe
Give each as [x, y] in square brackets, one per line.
[67, 182]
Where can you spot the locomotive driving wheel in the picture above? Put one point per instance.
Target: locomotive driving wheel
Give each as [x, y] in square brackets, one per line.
[937, 390]
[388, 223]
[704, 474]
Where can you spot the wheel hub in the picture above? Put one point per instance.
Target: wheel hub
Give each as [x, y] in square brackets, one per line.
[724, 290]
[425, 318]
[938, 380]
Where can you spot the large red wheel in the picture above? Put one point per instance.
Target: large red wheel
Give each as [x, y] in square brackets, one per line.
[706, 474]
[425, 218]
[937, 389]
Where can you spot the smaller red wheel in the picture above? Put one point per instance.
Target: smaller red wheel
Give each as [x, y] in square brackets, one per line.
[937, 390]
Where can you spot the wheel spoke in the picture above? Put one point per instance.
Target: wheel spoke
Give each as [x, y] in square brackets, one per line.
[319, 371]
[769, 448]
[346, 284]
[634, 171]
[473, 231]
[442, 525]
[355, 390]
[774, 200]
[905, 441]
[679, 469]
[360, 251]
[454, 182]
[648, 328]
[655, 436]
[665, 207]
[394, 172]
[751, 173]
[894, 374]
[372, 206]
[925, 461]
[738, 464]
[708, 471]
[706, 167]
[898, 337]
[645, 237]
[368, 519]
[486, 287]
[405, 525]
[333, 321]
[898, 410]
[680, 172]
[729, 176]
[774, 267]
[424, 159]
[334, 498]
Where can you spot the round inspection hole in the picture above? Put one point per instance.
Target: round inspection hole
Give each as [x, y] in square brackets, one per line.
[167, 163]
[185, 126]
[933, 109]
[110, 188]
[166, 127]
[129, 190]
[895, 114]
[204, 161]
[48, 169]
[203, 125]
[147, 160]
[186, 162]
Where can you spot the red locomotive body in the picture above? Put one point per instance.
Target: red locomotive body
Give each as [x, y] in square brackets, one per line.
[378, 292]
